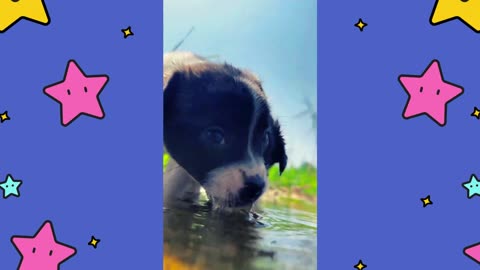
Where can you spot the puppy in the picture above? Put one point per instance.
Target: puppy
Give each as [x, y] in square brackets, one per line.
[219, 132]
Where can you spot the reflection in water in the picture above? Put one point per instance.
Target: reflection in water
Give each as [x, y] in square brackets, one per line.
[197, 238]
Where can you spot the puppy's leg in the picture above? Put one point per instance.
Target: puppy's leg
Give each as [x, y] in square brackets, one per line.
[178, 185]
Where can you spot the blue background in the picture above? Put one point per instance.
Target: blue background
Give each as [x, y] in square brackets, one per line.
[94, 177]
[374, 166]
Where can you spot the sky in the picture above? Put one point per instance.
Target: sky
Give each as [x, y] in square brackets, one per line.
[277, 40]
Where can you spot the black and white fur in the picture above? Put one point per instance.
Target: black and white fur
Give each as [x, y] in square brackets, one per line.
[219, 132]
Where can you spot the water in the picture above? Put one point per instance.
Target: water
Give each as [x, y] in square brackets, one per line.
[284, 238]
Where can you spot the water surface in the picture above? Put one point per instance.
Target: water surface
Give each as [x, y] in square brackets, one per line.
[284, 237]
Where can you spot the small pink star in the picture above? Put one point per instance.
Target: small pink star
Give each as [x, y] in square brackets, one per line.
[42, 251]
[429, 94]
[78, 94]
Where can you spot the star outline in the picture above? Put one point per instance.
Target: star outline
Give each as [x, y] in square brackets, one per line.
[29, 19]
[127, 32]
[468, 247]
[97, 241]
[472, 177]
[86, 76]
[429, 202]
[20, 182]
[34, 236]
[420, 76]
[450, 19]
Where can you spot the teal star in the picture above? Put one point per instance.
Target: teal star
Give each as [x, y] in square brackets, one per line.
[10, 187]
[473, 186]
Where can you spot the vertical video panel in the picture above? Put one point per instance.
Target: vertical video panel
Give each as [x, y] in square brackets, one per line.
[240, 133]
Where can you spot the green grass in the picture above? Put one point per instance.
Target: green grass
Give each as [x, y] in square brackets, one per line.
[302, 179]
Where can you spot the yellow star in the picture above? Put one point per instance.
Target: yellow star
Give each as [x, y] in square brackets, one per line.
[360, 24]
[476, 113]
[426, 201]
[12, 11]
[465, 10]
[360, 265]
[127, 32]
[4, 117]
[94, 242]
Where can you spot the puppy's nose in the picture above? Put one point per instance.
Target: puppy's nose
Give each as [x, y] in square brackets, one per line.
[252, 189]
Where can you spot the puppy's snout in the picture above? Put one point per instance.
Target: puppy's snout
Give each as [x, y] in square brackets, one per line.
[253, 188]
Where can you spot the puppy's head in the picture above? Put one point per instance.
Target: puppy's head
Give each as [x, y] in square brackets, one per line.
[218, 127]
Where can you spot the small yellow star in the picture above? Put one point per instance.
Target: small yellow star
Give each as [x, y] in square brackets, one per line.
[360, 24]
[94, 242]
[476, 113]
[360, 265]
[127, 32]
[4, 117]
[426, 201]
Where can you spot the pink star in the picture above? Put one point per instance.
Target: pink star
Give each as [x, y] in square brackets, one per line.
[78, 93]
[42, 251]
[473, 252]
[429, 94]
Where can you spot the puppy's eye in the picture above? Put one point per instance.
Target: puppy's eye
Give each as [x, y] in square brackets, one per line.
[215, 136]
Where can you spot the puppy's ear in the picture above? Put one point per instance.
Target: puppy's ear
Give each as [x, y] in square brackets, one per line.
[278, 153]
[170, 91]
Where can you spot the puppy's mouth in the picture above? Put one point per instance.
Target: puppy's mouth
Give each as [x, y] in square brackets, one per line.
[232, 201]
[237, 204]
